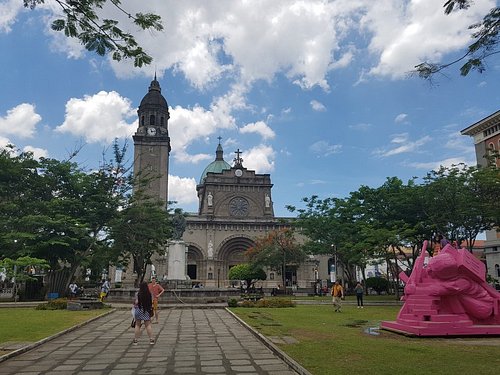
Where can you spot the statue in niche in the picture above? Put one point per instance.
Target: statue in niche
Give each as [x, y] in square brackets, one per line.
[178, 224]
[268, 201]
[210, 249]
[210, 199]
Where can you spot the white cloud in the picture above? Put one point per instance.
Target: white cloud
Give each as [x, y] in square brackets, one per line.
[260, 159]
[99, 118]
[20, 121]
[317, 182]
[189, 125]
[182, 190]
[37, 152]
[401, 118]
[317, 106]
[323, 148]
[4, 142]
[216, 41]
[361, 126]
[435, 165]
[406, 145]
[260, 128]
[9, 9]
[407, 33]
[457, 142]
[208, 41]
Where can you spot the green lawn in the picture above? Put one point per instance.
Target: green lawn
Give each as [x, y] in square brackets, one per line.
[337, 343]
[30, 325]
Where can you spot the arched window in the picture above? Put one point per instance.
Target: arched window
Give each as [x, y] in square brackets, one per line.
[497, 270]
[152, 120]
[161, 120]
[142, 120]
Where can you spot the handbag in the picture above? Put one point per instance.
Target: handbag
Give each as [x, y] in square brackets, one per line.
[132, 325]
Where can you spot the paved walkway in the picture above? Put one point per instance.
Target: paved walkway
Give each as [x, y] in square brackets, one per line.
[189, 341]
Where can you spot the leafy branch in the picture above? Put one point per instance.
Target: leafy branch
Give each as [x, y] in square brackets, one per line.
[102, 36]
[485, 45]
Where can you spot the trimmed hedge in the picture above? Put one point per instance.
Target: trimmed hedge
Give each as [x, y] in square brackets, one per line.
[273, 302]
[55, 304]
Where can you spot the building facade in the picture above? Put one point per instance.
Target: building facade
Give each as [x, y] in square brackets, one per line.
[486, 136]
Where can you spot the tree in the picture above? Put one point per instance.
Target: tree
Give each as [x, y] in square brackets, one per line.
[141, 230]
[484, 45]
[462, 201]
[276, 250]
[378, 284]
[59, 212]
[19, 270]
[247, 272]
[81, 20]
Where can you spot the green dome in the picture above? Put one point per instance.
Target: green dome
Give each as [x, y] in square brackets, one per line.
[217, 166]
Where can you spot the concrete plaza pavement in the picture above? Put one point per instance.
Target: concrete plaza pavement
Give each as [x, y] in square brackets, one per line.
[188, 341]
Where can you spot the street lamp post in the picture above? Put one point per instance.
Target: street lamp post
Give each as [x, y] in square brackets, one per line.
[334, 250]
[284, 270]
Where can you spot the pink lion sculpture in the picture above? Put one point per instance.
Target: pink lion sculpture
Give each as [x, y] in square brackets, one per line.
[448, 295]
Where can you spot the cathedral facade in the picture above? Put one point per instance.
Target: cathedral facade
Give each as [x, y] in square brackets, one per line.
[235, 209]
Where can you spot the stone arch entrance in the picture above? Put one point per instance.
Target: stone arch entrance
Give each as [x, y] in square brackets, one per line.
[230, 253]
[194, 262]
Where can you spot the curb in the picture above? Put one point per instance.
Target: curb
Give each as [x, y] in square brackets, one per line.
[268, 343]
[46, 339]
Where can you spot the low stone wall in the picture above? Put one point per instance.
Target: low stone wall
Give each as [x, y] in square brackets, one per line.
[77, 305]
[199, 295]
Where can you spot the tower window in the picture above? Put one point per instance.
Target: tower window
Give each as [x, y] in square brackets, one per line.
[152, 120]
[142, 120]
[162, 120]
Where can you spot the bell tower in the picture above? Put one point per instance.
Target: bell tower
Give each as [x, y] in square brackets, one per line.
[152, 145]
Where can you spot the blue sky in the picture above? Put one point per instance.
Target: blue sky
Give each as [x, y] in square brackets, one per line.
[314, 92]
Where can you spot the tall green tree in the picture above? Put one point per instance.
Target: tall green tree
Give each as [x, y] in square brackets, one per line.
[81, 19]
[17, 172]
[60, 213]
[141, 230]
[462, 201]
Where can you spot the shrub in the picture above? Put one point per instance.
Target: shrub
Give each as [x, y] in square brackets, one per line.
[273, 302]
[379, 284]
[232, 302]
[55, 304]
[246, 303]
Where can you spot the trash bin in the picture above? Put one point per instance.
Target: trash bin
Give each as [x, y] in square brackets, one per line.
[52, 295]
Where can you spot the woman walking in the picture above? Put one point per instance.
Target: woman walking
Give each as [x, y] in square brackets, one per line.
[143, 312]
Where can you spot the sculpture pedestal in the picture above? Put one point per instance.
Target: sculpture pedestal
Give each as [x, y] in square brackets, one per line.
[176, 260]
[421, 316]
